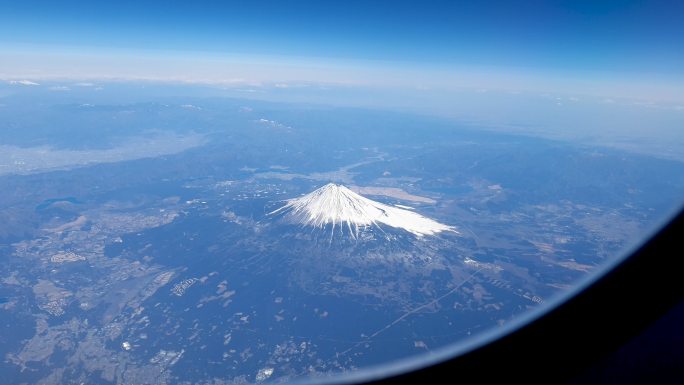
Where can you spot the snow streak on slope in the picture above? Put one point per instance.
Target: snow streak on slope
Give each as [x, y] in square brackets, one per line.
[339, 206]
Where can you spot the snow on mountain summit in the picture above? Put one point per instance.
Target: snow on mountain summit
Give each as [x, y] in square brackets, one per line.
[337, 205]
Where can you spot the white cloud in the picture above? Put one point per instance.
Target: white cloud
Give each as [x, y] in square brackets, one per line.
[23, 83]
[272, 123]
[261, 74]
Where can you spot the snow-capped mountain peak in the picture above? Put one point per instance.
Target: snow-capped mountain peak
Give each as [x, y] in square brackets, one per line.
[337, 205]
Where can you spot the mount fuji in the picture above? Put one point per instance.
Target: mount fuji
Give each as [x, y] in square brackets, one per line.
[337, 206]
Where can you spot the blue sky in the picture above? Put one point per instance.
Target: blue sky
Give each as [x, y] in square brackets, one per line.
[610, 41]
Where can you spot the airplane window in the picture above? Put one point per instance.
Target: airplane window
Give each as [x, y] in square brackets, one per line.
[226, 192]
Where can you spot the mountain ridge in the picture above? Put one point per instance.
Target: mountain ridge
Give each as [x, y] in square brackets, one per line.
[340, 207]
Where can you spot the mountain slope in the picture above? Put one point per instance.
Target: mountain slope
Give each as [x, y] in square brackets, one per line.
[337, 205]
